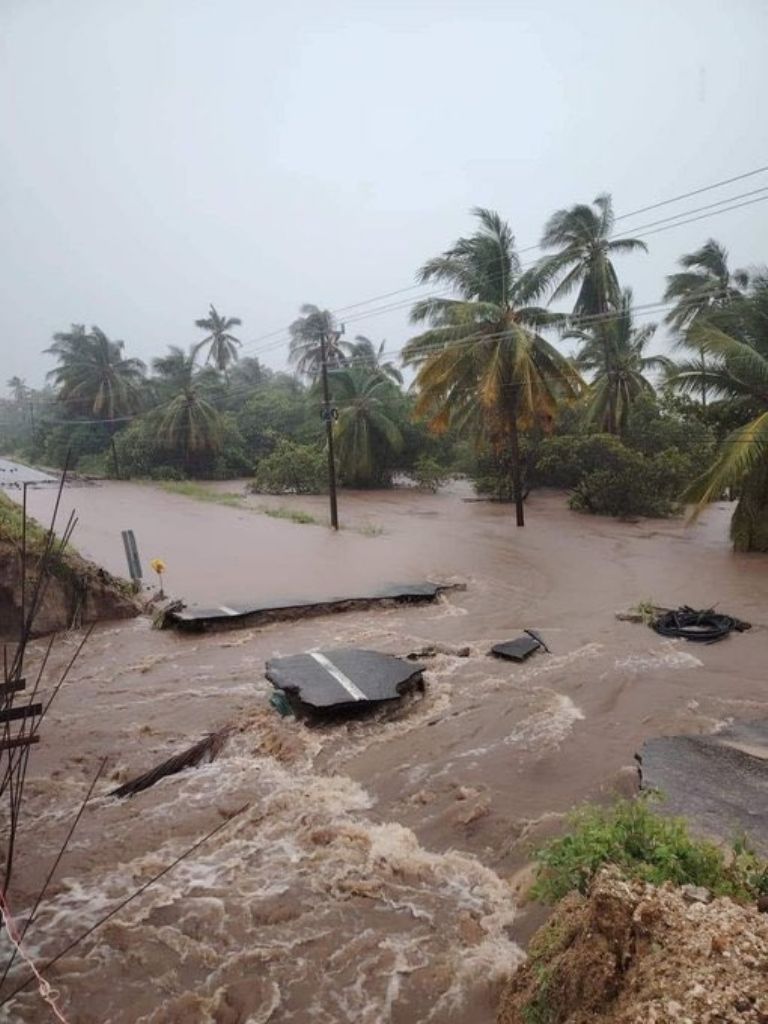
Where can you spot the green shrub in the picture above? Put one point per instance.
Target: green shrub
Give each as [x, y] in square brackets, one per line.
[564, 461]
[291, 469]
[646, 846]
[98, 465]
[492, 474]
[77, 439]
[428, 473]
[609, 478]
[651, 430]
[638, 486]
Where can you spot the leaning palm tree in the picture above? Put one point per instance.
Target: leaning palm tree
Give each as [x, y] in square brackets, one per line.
[19, 389]
[316, 329]
[613, 351]
[367, 436]
[736, 345]
[582, 239]
[482, 365]
[222, 345]
[704, 285]
[187, 423]
[93, 376]
[363, 352]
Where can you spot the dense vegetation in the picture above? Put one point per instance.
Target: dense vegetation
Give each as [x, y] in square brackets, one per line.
[647, 846]
[627, 432]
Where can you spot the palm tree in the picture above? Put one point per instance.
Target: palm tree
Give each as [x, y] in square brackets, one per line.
[582, 238]
[736, 342]
[613, 351]
[222, 346]
[93, 376]
[482, 365]
[313, 329]
[366, 434]
[705, 284]
[363, 352]
[187, 422]
[19, 389]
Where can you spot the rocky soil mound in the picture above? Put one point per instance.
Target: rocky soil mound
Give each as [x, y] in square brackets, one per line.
[632, 953]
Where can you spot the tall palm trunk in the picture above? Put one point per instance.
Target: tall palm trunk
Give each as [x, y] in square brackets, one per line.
[517, 483]
[514, 451]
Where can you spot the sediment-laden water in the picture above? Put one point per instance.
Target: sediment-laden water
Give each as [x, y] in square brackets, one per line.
[373, 876]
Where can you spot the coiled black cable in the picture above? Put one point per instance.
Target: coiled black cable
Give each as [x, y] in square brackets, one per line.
[706, 626]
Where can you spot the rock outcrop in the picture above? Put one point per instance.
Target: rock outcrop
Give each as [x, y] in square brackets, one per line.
[631, 953]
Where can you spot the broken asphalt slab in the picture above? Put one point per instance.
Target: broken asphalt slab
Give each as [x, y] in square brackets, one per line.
[343, 678]
[719, 782]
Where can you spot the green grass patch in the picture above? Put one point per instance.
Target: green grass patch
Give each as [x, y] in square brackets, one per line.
[646, 846]
[10, 528]
[294, 515]
[190, 489]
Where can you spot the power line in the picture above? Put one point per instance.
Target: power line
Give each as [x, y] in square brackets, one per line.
[694, 192]
[531, 248]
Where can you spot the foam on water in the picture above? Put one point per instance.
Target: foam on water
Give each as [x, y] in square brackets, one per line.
[303, 868]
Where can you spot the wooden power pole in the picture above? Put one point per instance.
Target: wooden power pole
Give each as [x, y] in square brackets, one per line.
[328, 416]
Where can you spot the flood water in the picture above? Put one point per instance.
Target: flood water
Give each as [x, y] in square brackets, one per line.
[374, 875]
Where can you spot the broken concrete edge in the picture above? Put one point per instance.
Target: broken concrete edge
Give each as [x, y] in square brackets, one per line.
[185, 619]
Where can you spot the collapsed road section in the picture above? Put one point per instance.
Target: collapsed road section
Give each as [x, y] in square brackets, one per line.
[342, 680]
[233, 616]
[719, 782]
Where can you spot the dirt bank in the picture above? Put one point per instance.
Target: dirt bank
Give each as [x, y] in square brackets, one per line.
[75, 592]
[631, 953]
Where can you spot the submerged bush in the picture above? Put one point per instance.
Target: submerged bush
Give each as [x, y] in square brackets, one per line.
[492, 472]
[428, 473]
[609, 478]
[646, 846]
[291, 469]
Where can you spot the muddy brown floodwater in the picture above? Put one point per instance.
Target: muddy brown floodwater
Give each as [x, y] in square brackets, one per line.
[373, 877]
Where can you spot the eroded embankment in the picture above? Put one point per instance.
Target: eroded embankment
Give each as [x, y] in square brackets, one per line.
[632, 953]
[72, 591]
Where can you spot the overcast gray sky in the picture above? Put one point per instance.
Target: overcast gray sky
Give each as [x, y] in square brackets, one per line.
[159, 155]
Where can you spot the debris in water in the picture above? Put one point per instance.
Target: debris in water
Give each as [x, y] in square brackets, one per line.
[342, 679]
[705, 626]
[206, 749]
[521, 648]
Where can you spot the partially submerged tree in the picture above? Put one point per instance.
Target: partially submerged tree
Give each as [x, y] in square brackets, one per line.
[581, 238]
[367, 435]
[311, 331]
[735, 343]
[187, 424]
[19, 389]
[363, 353]
[483, 365]
[614, 352]
[94, 378]
[704, 286]
[222, 344]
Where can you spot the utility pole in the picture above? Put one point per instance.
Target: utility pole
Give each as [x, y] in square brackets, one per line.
[329, 415]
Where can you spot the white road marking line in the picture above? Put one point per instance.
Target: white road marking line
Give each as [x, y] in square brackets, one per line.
[339, 676]
[229, 611]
